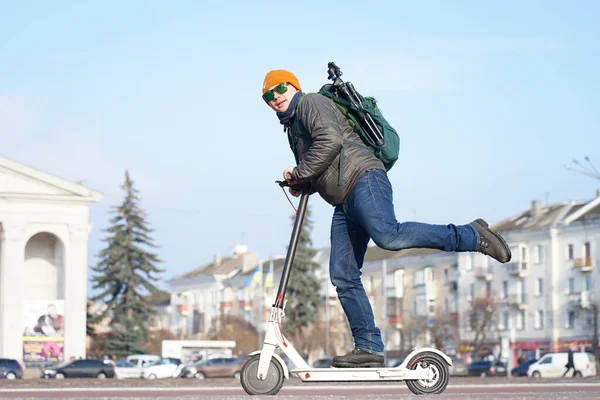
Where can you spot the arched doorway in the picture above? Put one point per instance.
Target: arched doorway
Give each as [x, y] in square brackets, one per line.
[44, 268]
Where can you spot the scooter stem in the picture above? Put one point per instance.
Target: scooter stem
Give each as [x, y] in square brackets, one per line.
[289, 258]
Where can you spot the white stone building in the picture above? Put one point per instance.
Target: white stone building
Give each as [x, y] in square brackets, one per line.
[44, 232]
[543, 294]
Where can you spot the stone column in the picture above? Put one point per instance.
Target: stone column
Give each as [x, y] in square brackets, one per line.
[76, 291]
[11, 284]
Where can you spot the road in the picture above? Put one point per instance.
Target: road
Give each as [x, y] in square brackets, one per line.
[474, 389]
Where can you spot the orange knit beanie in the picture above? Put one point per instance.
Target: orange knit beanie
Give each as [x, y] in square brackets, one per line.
[277, 76]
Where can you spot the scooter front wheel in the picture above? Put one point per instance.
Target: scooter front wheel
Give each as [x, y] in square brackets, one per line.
[270, 385]
[437, 384]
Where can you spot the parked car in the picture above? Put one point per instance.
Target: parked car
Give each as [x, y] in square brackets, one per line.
[142, 360]
[458, 367]
[10, 369]
[487, 368]
[125, 369]
[552, 365]
[219, 367]
[521, 370]
[166, 367]
[323, 362]
[88, 368]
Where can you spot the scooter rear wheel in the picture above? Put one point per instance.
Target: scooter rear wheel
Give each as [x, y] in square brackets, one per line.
[438, 383]
[272, 382]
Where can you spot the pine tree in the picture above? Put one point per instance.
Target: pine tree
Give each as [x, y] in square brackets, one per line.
[303, 290]
[126, 274]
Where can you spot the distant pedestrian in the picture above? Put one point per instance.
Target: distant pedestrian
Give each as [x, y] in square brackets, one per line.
[570, 364]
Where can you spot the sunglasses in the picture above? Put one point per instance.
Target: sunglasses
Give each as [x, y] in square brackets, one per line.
[281, 89]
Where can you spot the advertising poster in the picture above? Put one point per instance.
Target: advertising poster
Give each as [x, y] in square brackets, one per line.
[43, 333]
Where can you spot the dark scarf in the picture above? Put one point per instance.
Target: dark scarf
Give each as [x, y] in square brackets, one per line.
[287, 115]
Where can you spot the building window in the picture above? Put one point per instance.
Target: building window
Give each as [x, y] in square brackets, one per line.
[446, 306]
[418, 278]
[539, 287]
[587, 250]
[570, 319]
[505, 289]
[472, 290]
[522, 292]
[570, 254]
[538, 256]
[521, 320]
[446, 279]
[539, 319]
[506, 319]
[588, 283]
[571, 287]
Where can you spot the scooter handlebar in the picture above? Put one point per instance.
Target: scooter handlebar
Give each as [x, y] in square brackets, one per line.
[298, 187]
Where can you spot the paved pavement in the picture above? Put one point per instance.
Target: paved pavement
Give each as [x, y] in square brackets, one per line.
[215, 389]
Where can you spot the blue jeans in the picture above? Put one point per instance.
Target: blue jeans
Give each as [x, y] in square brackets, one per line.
[369, 213]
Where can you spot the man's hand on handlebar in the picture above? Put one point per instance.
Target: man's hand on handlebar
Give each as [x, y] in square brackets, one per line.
[287, 175]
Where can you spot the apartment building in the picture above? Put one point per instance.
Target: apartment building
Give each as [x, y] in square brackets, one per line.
[542, 297]
[201, 298]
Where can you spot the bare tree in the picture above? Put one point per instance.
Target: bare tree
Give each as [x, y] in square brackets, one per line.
[443, 331]
[482, 319]
[240, 330]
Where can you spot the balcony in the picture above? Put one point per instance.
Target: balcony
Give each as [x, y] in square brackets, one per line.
[245, 304]
[517, 268]
[395, 320]
[518, 300]
[584, 263]
[183, 309]
[581, 300]
[224, 305]
[483, 273]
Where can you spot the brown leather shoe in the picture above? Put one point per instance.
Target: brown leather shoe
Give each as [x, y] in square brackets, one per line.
[358, 358]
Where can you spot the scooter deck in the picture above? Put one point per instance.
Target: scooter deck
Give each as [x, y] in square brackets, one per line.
[360, 374]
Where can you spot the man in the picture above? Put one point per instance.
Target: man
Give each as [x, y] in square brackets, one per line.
[570, 363]
[363, 205]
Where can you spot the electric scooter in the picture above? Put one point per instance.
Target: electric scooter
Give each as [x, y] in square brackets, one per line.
[425, 370]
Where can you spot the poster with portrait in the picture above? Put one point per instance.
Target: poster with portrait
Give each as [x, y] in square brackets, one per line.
[43, 333]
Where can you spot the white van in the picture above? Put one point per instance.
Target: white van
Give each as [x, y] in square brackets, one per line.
[552, 365]
[142, 360]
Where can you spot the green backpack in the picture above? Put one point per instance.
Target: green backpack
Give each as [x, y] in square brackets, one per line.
[388, 152]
